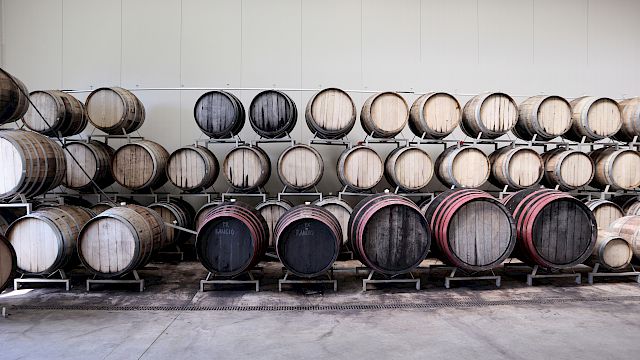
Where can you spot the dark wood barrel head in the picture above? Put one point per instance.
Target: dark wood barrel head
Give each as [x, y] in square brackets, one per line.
[307, 246]
[225, 245]
[219, 114]
[272, 114]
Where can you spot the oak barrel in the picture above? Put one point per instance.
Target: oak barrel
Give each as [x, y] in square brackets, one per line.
[360, 168]
[492, 114]
[463, 166]
[628, 228]
[554, 229]
[45, 239]
[32, 164]
[630, 117]
[201, 214]
[435, 115]
[246, 167]
[545, 116]
[625, 201]
[8, 263]
[633, 209]
[115, 110]
[271, 210]
[605, 212]
[140, 165]
[219, 114]
[93, 165]
[389, 234]
[340, 209]
[232, 239]
[14, 100]
[120, 240]
[330, 114]
[593, 117]
[9, 215]
[300, 167]
[568, 169]
[471, 229]
[618, 168]
[63, 114]
[410, 168]
[516, 167]
[272, 114]
[102, 206]
[192, 168]
[611, 251]
[384, 115]
[177, 212]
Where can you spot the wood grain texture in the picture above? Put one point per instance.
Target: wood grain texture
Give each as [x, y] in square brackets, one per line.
[115, 110]
[271, 210]
[360, 168]
[625, 201]
[627, 228]
[13, 98]
[272, 114]
[463, 167]
[516, 167]
[593, 117]
[246, 167]
[193, 168]
[178, 212]
[492, 114]
[341, 210]
[300, 167]
[330, 113]
[140, 165]
[611, 251]
[63, 114]
[605, 212]
[219, 114]
[201, 214]
[630, 117]
[94, 157]
[101, 207]
[410, 168]
[568, 169]
[435, 115]
[618, 168]
[8, 263]
[545, 116]
[384, 115]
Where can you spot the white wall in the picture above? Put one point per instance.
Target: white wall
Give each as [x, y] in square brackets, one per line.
[522, 47]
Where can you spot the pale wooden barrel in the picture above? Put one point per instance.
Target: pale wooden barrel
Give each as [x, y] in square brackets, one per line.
[300, 167]
[341, 210]
[45, 240]
[464, 167]
[330, 113]
[517, 167]
[492, 114]
[272, 114]
[246, 167]
[384, 115]
[219, 114]
[192, 168]
[605, 212]
[593, 117]
[32, 164]
[360, 168]
[140, 165]
[628, 228]
[14, 101]
[115, 110]
[94, 157]
[177, 212]
[271, 210]
[611, 251]
[120, 240]
[63, 114]
[568, 169]
[410, 168]
[545, 116]
[630, 117]
[7, 263]
[618, 168]
[435, 115]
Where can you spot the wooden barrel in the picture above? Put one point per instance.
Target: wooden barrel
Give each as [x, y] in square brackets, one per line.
[630, 118]
[618, 168]
[308, 240]
[300, 167]
[14, 101]
[45, 239]
[434, 115]
[628, 228]
[9, 215]
[340, 209]
[177, 212]
[231, 239]
[272, 114]
[554, 229]
[410, 168]
[64, 114]
[633, 209]
[492, 114]
[389, 234]
[330, 114]
[201, 214]
[546, 116]
[32, 164]
[360, 168]
[516, 167]
[102, 206]
[192, 168]
[471, 229]
[271, 210]
[140, 165]
[625, 201]
[115, 110]
[463, 166]
[219, 114]
[8, 263]
[605, 212]
[568, 169]
[120, 240]
[246, 167]
[612, 252]
[593, 117]
[384, 115]
[93, 165]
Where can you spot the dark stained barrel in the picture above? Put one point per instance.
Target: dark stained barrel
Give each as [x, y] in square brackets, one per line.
[308, 240]
[178, 212]
[389, 234]
[272, 114]
[219, 114]
[471, 229]
[231, 239]
[7, 263]
[625, 201]
[14, 100]
[554, 229]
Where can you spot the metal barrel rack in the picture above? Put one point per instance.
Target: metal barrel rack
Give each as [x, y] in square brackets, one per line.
[455, 275]
[402, 279]
[291, 279]
[214, 279]
[121, 281]
[596, 272]
[534, 273]
[45, 280]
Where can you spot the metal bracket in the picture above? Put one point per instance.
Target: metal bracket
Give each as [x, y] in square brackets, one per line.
[136, 280]
[48, 280]
[454, 270]
[534, 273]
[316, 280]
[388, 280]
[213, 279]
[594, 273]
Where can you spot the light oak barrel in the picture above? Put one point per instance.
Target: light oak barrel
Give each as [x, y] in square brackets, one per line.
[94, 157]
[201, 214]
[192, 168]
[120, 240]
[625, 201]
[45, 240]
[271, 210]
[246, 167]
[605, 212]
[63, 114]
[568, 169]
[463, 167]
[115, 110]
[272, 114]
[435, 115]
[546, 116]
[8, 263]
[611, 251]
[516, 167]
[219, 114]
[618, 168]
[630, 117]
[14, 101]
[330, 113]
[384, 115]
[410, 168]
[360, 168]
[32, 164]
[177, 212]
[593, 117]
[628, 228]
[341, 210]
[140, 165]
[492, 114]
[300, 167]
